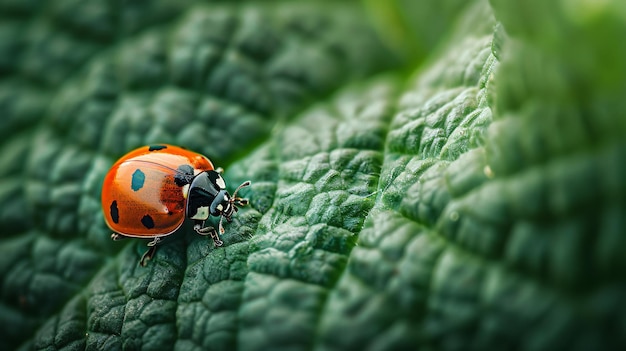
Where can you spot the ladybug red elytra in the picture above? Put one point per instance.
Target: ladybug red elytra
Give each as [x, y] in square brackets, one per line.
[149, 191]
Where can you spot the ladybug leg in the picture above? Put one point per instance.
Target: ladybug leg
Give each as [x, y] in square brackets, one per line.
[116, 237]
[150, 253]
[147, 256]
[200, 229]
[154, 241]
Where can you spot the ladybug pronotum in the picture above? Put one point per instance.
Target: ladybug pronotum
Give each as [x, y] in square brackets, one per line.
[149, 191]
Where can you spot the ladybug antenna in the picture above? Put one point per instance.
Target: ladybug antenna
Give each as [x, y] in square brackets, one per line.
[243, 185]
[237, 201]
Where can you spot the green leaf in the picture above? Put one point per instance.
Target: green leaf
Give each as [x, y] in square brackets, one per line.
[442, 175]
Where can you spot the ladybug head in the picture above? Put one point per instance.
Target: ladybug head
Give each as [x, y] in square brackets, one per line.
[224, 205]
[208, 196]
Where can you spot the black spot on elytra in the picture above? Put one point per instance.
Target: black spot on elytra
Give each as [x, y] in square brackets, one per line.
[157, 147]
[138, 179]
[184, 175]
[115, 213]
[147, 221]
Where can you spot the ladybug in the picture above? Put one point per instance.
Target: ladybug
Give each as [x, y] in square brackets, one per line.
[149, 191]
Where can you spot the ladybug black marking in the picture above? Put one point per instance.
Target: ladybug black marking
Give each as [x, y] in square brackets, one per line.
[115, 213]
[147, 221]
[184, 175]
[157, 147]
[138, 179]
